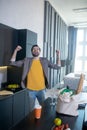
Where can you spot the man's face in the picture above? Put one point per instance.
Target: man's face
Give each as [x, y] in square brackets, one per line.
[36, 51]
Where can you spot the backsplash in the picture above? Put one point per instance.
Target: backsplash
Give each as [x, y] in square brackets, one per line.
[3, 74]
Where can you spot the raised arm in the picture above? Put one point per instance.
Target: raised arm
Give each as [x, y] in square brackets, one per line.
[18, 48]
[58, 61]
[57, 65]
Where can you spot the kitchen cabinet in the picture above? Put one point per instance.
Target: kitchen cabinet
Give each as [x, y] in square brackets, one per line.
[10, 38]
[8, 41]
[13, 109]
[26, 39]
[18, 106]
[27, 104]
[5, 112]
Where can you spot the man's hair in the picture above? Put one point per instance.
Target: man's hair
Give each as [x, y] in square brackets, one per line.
[35, 46]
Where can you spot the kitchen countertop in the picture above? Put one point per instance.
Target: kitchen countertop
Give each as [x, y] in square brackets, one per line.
[2, 97]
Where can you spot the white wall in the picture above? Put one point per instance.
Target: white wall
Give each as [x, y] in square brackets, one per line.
[27, 14]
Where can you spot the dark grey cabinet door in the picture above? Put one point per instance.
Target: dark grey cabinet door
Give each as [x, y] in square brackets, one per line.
[6, 113]
[18, 106]
[1, 46]
[8, 41]
[14, 108]
[27, 110]
[26, 39]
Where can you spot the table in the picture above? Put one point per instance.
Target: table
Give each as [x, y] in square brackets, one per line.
[46, 122]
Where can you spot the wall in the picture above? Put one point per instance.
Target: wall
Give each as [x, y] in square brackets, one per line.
[21, 14]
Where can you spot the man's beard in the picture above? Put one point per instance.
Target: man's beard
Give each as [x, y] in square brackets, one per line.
[35, 54]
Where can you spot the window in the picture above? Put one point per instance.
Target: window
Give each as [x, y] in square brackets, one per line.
[81, 51]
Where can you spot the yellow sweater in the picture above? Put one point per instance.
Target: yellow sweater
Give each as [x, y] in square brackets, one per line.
[35, 77]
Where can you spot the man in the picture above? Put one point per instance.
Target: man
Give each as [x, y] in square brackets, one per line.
[36, 71]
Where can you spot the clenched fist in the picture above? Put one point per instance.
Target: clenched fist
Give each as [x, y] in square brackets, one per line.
[18, 48]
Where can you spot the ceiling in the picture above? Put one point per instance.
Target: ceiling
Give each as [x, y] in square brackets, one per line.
[73, 12]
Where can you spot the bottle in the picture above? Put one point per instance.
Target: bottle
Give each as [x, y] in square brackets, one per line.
[80, 85]
[67, 127]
